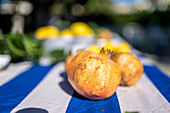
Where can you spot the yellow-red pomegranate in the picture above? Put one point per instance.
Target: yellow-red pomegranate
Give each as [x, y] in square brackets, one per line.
[94, 75]
[130, 66]
[67, 62]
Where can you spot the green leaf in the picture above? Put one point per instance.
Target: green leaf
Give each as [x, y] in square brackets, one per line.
[3, 47]
[1, 37]
[15, 44]
[33, 48]
[58, 55]
[14, 49]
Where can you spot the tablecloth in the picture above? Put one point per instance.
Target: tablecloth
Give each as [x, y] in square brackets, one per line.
[34, 88]
[30, 88]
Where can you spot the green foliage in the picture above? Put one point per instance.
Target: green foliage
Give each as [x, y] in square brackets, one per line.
[33, 48]
[95, 27]
[64, 24]
[15, 44]
[98, 7]
[24, 47]
[3, 45]
[58, 55]
[20, 47]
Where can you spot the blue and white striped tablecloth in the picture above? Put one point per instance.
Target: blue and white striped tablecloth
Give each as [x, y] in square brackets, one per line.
[28, 88]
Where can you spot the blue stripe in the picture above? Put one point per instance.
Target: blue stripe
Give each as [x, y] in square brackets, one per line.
[80, 104]
[140, 56]
[14, 91]
[159, 79]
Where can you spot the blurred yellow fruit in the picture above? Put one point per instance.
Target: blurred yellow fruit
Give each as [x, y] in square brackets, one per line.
[47, 32]
[123, 47]
[105, 34]
[66, 33]
[80, 28]
[94, 48]
[110, 45]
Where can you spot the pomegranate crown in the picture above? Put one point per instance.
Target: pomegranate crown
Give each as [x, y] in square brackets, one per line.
[105, 53]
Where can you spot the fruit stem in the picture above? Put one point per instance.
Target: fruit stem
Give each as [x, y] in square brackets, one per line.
[105, 53]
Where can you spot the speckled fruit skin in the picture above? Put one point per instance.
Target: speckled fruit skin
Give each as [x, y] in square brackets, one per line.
[130, 66]
[94, 75]
[67, 62]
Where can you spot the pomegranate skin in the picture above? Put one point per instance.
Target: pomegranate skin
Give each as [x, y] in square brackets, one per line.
[67, 62]
[130, 66]
[94, 75]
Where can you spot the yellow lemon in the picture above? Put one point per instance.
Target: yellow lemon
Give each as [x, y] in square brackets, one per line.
[110, 45]
[80, 28]
[66, 33]
[123, 47]
[47, 32]
[94, 48]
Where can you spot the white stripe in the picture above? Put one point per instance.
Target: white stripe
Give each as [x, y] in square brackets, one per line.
[143, 97]
[146, 61]
[12, 71]
[52, 94]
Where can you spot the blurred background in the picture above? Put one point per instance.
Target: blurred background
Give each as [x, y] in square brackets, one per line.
[144, 24]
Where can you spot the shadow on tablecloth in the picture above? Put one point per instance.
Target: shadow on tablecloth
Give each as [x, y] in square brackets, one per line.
[32, 110]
